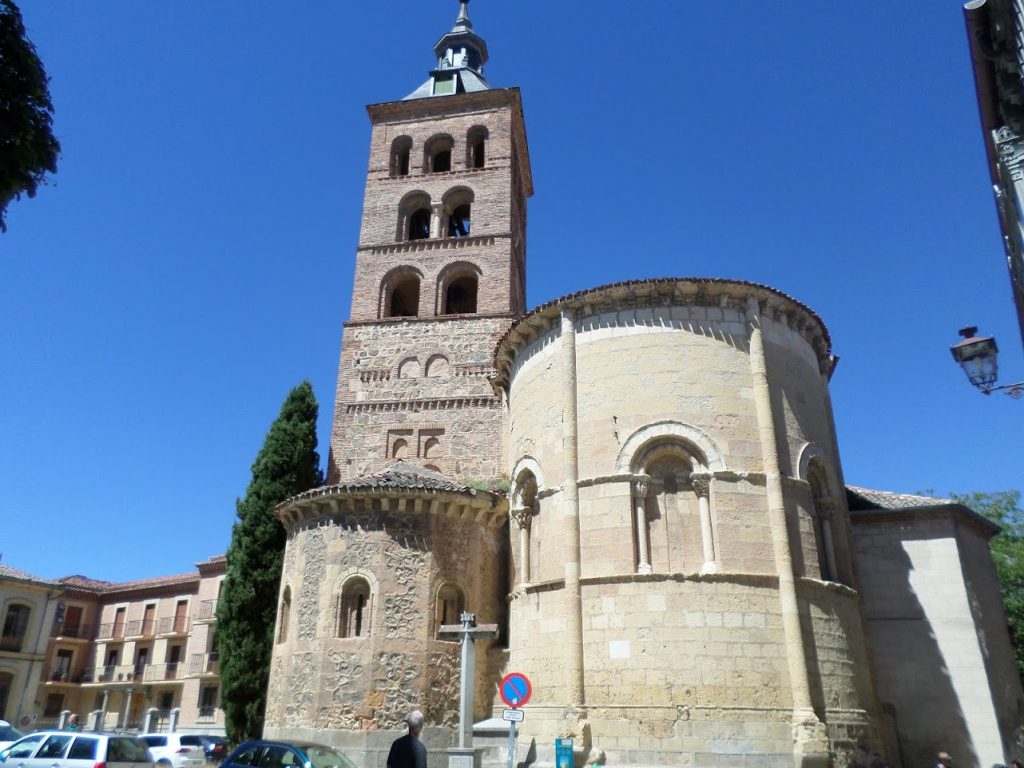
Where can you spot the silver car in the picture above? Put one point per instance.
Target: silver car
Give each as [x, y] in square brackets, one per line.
[73, 749]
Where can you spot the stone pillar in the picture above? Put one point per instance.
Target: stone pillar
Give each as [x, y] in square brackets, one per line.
[810, 740]
[62, 719]
[96, 720]
[825, 509]
[175, 717]
[150, 721]
[522, 518]
[437, 220]
[104, 708]
[571, 517]
[640, 487]
[702, 487]
[127, 706]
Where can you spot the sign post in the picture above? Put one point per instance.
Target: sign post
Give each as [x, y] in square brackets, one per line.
[515, 690]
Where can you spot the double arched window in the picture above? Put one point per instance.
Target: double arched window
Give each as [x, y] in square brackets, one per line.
[354, 608]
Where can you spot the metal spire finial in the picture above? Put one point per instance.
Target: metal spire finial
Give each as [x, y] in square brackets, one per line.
[463, 18]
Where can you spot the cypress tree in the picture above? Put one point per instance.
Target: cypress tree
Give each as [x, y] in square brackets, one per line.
[286, 465]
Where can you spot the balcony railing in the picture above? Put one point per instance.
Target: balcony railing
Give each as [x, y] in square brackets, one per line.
[111, 673]
[207, 714]
[80, 631]
[113, 631]
[172, 625]
[74, 674]
[154, 672]
[207, 610]
[141, 628]
[12, 644]
[204, 664]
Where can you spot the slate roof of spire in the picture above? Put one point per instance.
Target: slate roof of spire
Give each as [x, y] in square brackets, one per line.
[467, 72]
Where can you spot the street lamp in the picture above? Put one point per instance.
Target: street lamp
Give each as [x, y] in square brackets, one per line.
[977, 356]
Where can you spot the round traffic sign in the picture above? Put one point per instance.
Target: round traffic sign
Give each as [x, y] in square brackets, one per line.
[515, 689]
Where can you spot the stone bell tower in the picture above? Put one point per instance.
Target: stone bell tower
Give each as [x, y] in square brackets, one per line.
[440, 273]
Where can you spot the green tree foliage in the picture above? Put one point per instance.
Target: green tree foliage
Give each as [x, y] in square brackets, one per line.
[287, 464]
[1003, 507]
[28, 150]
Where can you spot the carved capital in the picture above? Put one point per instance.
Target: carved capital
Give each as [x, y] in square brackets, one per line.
[826, 508]
[640, 486]
[522, 516]
[701, 485]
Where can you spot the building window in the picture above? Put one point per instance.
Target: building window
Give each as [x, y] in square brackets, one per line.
[62, 664]
[286, 609]
[54, 705]
[460, 296]
[208, 701]
[6, 684]
[354, 608]
[476, 141]
[402, 295]
[414, 217]
[459, 222]
[400, 450]
[437, 154]
[15, 627]
[419, 224]
[449, 607]
[457, 206]
[400, 150]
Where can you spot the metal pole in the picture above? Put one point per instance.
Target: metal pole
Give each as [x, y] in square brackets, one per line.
[512, 744]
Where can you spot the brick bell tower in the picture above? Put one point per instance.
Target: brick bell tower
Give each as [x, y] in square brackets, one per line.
[440, 273]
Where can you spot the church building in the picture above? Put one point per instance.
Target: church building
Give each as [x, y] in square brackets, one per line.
[640, 485]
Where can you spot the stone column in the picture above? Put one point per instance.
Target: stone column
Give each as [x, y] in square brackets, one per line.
[640, 487]
[825, 509]
[571, 516]
[437, 220]
[175, 717]
[702, 487]
[62, 719]
[147, 726]
[127, 706]
[104, 708]
[522, 518]
[96, 720]
[810, 741]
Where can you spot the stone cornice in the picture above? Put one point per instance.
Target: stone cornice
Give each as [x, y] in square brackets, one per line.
[510, 317]
[487, 509]
[433, 244]
[420, 405]
[664, 292]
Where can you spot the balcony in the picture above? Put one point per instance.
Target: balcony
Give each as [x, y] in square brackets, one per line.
[204, 664]
[172, 625]
[74, 631]
[113, 631]
[207, 611]
[141, 628]
[111, 673]
[66, 675]
[153, 673]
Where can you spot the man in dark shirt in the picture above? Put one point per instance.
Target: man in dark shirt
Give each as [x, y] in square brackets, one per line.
[408, 751]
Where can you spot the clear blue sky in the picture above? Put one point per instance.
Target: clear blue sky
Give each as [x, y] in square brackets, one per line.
[193, 259]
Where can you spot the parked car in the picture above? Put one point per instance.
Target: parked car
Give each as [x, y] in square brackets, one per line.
[8, 734]
[175, 750]
[216, 748]
[260, 753]
[72, 749]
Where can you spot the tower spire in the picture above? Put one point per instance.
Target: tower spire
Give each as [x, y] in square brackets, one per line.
[461, 55]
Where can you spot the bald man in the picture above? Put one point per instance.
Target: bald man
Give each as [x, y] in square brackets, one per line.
[408, 751]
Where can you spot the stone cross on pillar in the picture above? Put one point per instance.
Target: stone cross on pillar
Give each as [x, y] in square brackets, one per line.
[467, 632]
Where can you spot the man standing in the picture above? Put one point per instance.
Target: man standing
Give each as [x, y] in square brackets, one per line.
[408, 751]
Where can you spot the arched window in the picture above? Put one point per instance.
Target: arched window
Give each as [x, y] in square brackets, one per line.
[400, 449]
[354, 608]
[476, 142]
[431, 448]
[437, 154]
[401, 294]
[672, 529]
[449, 607]
[409, 368]
[437, 366]
[457, 206]
[460, 296]
[284, 614]
[400, 151]
[15, 627]
[414, 217]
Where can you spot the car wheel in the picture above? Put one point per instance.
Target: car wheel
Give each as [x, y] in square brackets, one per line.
[164, 763]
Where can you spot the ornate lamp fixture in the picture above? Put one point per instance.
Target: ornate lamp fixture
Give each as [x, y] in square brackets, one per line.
[977, 356]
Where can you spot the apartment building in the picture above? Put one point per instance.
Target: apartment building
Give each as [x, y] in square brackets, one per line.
[138, 655]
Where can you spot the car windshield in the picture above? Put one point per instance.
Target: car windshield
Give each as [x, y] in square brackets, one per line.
[325, 757]
[9, 734]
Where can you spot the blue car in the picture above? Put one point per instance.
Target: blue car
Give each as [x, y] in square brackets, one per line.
[260, 753]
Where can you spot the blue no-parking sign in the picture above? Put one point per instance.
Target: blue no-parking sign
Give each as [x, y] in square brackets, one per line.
[515, 689]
